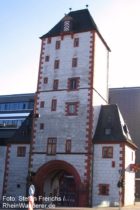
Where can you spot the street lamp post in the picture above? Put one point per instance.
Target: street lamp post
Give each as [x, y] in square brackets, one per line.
[31, 197]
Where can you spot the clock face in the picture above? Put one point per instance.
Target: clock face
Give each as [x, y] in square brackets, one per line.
[66, 25]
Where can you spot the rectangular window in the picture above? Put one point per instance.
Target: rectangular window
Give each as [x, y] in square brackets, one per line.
[42, 104]
[103, 189]
[49, 40]
[21, 151]
[72, 108]
[51, 146]
[45, 80]
[73, 83]
[74, 62]
[68, 146]
[76, 42]
[107, 152]
[47, 58]
[56, 64]
[113, 164]
[55, 84]
[54, 105]
[41, 126]
[57, 45]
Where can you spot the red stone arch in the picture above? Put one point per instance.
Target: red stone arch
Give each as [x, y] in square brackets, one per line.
[54, 165]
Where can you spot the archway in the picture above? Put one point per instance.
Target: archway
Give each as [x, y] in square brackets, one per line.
[61, 179]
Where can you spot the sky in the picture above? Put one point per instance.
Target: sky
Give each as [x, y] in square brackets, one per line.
[22, 22]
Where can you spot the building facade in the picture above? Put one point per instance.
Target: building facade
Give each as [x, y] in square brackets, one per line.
[70, 94]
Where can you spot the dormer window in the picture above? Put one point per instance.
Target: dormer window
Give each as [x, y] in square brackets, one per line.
[107, 131]
[67, 23]
[125, 129]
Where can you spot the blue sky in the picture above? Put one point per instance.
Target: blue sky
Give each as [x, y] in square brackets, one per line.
[24, 21]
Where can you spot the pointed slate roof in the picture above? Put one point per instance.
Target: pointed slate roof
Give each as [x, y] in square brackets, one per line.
[111, 126]
[22, 135]
[82, 21]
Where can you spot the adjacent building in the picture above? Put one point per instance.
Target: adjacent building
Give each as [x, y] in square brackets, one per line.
[14, 109]
[128, 100]
[15, 136]
[114, 154]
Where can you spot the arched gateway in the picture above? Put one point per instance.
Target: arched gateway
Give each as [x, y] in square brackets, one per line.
[59, 178]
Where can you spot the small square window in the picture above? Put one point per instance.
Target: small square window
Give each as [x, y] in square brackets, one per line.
[76, 42]
[103, 189]
[74, 62]
[107, 152]
[45, 80]
[55, 84]
[47, 58]
[56, 64]
[57, 45]
[72, 108]
[54, 105]
[21, 151]
[73, 83]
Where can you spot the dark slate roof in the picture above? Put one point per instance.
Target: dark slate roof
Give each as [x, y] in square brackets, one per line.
[6, 133]
[110, 120]
[17, 136]
[81, 21]
[17, 98]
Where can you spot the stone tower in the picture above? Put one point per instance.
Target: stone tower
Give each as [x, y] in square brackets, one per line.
[72, 86]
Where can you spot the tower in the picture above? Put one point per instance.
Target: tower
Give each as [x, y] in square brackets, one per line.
[72, 86]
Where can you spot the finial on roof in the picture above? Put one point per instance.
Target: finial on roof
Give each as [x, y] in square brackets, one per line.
[86, 5]
[70, 9]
